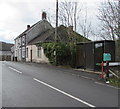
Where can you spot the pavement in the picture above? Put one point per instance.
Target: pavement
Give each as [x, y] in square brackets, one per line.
[43, 85]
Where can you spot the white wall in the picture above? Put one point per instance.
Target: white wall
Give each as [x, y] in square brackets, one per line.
[35, 58]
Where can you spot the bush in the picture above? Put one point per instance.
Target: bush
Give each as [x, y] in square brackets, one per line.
[115, 81]
[49, 49]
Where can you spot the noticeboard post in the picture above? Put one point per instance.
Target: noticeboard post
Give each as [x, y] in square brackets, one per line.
[106, 57]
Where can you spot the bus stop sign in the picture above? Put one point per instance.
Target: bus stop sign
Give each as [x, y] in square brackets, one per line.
[106, 57]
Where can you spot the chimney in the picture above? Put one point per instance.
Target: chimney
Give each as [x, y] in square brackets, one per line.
[44, 16]
[28, 26]
[70, 28]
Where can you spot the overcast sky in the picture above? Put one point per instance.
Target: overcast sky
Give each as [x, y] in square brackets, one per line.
[16, 14]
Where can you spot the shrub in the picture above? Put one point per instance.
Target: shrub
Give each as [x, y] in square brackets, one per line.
[65, 53]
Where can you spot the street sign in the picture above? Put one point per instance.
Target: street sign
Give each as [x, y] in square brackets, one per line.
[106, 57]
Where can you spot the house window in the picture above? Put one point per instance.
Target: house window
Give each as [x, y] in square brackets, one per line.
[27, 52]
[20, 41]
[39, 52]
[23, 40]
[23, 52]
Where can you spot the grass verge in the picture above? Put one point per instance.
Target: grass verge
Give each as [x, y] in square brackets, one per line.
[115, 81]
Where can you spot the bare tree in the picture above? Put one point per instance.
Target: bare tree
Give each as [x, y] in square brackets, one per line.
[85, 25]
[51, 16]
[109, 16]
[69, 13]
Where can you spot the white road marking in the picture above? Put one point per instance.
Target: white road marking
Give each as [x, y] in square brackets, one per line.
[74, 74]
[106, 85]
[87, 77]
[65, 93]
[100, 83]
[15, 70]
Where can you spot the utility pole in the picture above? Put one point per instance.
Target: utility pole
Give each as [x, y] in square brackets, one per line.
[119, 19]
[56, 20]
[56, 31]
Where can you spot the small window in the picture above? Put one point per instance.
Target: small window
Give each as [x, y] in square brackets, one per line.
[23, 52]
[23, 40]
[39, 52]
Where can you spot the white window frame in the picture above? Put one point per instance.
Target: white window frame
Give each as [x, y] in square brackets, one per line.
[23, 40]
[39, 52]
[23, 52]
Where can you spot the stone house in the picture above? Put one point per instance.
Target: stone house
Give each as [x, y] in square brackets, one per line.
[5, 51]
[42, 31]
[21, 42]
[35, 53]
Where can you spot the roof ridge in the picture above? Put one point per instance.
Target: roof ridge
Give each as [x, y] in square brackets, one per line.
[27, 30]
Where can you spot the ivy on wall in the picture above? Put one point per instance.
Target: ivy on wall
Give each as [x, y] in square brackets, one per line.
[65, 53]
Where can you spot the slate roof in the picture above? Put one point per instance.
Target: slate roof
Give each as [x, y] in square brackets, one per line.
[38, 29]
[5, 46]
[35, 30]
[63, 35]
[43, 37]
[23, 33]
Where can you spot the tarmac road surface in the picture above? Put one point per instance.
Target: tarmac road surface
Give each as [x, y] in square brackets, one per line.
[29, 85]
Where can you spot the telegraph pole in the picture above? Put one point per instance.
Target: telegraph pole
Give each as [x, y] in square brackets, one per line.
[56, 20]
[56, 31]
[118, 19]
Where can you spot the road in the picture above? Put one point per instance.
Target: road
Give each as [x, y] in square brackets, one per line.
[30, 85]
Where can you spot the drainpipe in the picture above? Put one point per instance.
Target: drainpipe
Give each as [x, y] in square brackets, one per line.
[25, 47]
[31, 54]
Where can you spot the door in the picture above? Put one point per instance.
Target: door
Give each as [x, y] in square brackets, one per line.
[99, 50]
[89, 56]
[80, 57]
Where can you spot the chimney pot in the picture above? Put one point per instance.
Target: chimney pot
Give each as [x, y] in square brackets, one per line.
[28, 26]
[70, 28]
[44, 16]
